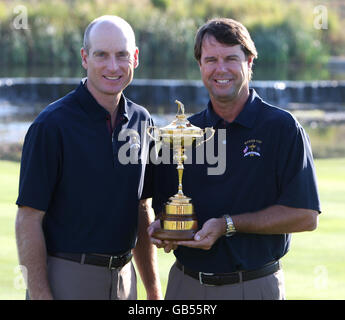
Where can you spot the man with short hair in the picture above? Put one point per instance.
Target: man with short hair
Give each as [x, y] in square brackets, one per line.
[268, 189]
[77, 222]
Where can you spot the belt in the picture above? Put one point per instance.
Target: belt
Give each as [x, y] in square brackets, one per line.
[111, 262]
[218, 279]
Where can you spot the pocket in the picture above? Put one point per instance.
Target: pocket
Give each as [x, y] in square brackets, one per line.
[274, 288]
[127, 283]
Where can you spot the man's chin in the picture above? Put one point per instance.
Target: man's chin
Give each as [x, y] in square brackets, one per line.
[111, 92]
[225, 98]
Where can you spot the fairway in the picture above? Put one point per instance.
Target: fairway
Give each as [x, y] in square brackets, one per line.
[314, 267]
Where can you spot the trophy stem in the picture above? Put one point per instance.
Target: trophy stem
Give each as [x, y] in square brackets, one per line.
[180, 174]
[180, 157]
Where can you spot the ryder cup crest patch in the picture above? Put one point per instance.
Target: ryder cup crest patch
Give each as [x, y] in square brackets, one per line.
[252, 148]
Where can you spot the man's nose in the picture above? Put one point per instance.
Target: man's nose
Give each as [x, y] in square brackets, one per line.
[112, 63]
[221, 66]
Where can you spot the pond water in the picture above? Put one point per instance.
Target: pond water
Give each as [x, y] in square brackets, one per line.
[281, 71]
[325, 129]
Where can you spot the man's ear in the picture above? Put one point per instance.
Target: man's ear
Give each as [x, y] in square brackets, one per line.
[199, 64]
[250, 61]
[84, 57]
[136, 57]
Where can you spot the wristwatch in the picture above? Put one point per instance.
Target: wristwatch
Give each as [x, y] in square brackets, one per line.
[230, 227]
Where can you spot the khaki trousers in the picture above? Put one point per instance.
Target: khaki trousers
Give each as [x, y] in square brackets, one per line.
[71, 280]
[183, 287]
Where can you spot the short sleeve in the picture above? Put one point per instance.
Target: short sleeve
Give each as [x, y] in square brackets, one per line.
[296, 171]
[40, 166]
[149, 168]
[148, 179]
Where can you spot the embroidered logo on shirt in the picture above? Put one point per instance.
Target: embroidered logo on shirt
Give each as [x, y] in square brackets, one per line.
[252, 148]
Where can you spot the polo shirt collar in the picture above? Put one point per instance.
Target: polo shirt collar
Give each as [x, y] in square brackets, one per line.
[245, 118]
[93, 108]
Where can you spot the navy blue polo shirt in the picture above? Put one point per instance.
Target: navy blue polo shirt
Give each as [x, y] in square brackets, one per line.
[268, 161]
[70, 169]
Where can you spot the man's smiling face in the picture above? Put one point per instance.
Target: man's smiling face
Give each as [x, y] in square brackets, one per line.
[224, 70]
[110, 61]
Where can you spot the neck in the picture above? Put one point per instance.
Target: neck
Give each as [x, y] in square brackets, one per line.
[230, 109]
[108, 102]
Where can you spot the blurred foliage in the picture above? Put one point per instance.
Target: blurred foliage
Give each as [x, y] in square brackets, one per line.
[283, 31]
[161, 4]
[327, 141]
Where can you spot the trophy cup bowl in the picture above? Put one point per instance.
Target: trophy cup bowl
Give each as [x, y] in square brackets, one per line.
[178, 220]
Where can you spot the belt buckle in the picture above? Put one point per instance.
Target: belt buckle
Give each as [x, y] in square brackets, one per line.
[206, 274]
[111, 262]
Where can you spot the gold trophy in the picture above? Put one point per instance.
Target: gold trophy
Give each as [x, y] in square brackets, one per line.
[178, 220]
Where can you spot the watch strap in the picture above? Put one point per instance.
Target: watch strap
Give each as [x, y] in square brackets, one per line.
[230, 227]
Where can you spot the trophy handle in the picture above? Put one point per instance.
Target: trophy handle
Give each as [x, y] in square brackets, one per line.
[210, 137]
[180, 107]
[148, 130]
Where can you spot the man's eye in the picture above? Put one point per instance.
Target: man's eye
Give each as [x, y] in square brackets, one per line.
[232, 59]
[123, 56]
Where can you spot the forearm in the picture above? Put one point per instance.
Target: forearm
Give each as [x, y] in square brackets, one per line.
[32, 253]
[145, 253]
[276, 219]
[272, 220]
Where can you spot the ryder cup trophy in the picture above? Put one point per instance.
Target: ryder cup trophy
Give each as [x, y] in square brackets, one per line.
[178, 220]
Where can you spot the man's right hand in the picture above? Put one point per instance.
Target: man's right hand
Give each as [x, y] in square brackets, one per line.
[167, 245]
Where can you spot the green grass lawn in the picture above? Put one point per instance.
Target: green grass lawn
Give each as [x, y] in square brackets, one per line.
[314, 267]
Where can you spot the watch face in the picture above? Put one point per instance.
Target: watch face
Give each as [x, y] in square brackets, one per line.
[230, 228]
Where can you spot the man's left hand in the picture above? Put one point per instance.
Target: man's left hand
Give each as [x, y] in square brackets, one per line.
[207, 236]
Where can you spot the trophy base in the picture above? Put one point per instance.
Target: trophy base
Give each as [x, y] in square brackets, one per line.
[179, 235]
